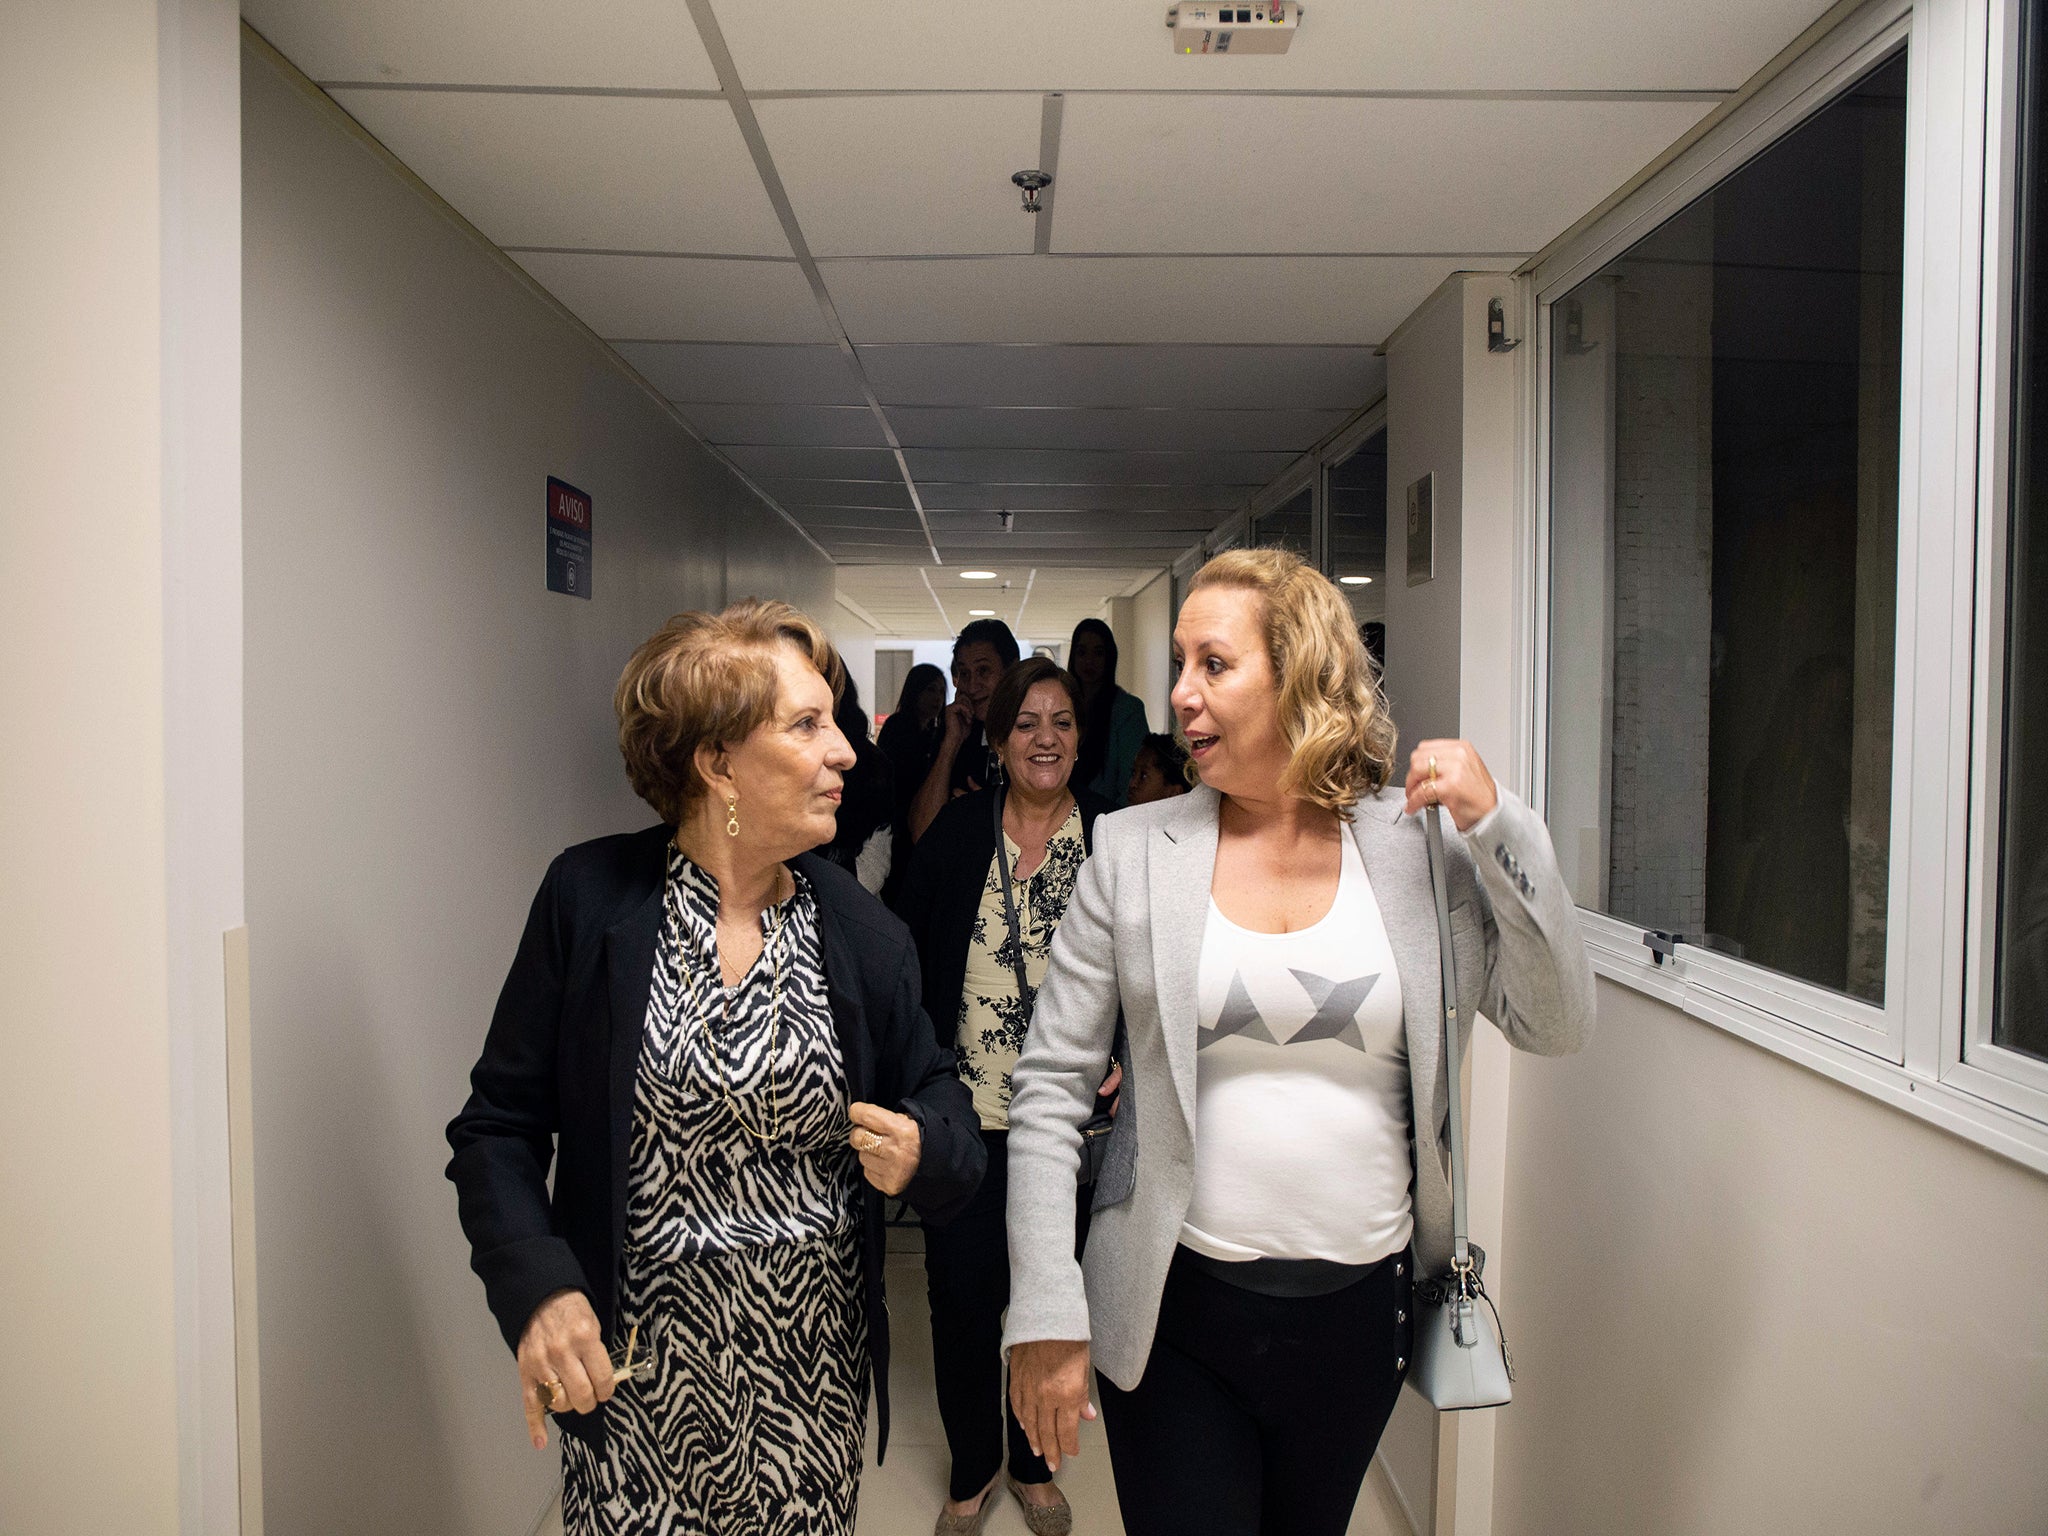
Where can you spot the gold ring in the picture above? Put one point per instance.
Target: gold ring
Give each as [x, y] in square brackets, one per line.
[874, 1143]
[550, 1394]
[1432, 770]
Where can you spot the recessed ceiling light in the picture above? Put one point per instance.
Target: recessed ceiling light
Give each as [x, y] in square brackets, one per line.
[977, 575]
[981, 613]
[1356, 581]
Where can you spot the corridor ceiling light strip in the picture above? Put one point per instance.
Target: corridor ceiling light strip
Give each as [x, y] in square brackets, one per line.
[1017, 623]
[924, 576]
[1049, 118]
[713, 38]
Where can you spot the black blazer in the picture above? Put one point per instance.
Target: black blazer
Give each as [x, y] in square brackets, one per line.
[942, 893]
[557, 1075]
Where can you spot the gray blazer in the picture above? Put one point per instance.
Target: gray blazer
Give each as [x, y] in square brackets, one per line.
[1132, 939]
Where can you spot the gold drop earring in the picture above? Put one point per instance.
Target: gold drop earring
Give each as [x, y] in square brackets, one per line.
[732, 815]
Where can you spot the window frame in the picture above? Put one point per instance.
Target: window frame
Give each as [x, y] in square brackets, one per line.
[1971, 1058]
[1927, 1050]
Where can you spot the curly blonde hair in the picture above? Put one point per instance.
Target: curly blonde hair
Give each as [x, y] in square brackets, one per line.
[707, 677]
[1331, 710]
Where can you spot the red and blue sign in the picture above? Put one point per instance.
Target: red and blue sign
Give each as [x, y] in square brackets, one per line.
[568, 539]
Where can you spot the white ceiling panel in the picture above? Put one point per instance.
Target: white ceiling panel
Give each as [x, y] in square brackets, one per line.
[842, 493]
[1282, 300]
[1053, 427]
[840, 426]
[946, 524]
[906, 175]
[1042, 602]
[622, 44]
[984, 496]
[1214, 377]
[1446, 45]
[814, 463]
[630, 173]
[765, 375]
[1056, 466]
[666, 298]
[1335, 174]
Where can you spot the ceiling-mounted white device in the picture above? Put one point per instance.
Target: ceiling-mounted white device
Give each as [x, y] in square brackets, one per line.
[1255, 28]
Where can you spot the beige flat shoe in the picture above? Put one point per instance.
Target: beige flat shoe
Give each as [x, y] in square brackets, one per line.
[1044, 1519]
[966, 1525]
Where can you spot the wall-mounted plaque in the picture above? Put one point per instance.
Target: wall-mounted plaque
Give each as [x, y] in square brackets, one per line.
[1422, 530]
[568, 530]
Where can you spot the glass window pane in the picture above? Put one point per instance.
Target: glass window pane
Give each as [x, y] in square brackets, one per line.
[1356, 494]
[1287, 525]
[2020, 1018]
[1724, 523]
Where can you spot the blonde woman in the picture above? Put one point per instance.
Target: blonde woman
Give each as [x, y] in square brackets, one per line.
[1271, 941]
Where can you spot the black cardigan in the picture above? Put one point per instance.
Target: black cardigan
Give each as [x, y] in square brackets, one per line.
[557, 1074]
[942, 894]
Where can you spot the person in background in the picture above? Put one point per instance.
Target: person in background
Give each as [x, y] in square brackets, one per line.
[861, 846]
[1112, 721]
[712, 1039]
[971, 958]
[1159, 771]
[982, 652]
[910, 740]
[1270, 942]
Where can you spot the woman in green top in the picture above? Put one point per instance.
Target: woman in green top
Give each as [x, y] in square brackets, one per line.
[980, 973]
[1113, 722]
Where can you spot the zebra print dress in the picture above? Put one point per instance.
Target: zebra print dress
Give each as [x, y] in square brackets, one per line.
[742, 1258]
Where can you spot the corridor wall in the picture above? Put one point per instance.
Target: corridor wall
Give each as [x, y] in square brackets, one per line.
[426, 727]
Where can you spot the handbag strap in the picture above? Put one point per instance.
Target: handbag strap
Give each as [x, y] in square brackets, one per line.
[1461, 1245]
[1010, 905]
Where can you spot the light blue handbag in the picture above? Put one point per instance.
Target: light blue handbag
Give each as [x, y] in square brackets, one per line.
[1461, 1360]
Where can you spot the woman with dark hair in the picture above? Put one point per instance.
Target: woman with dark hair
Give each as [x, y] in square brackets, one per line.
[910, 740]
[987, 889]
[861, 845]
[1113, 724]
[1160, 772]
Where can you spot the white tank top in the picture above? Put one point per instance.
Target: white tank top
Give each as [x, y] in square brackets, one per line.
[1301, 1088]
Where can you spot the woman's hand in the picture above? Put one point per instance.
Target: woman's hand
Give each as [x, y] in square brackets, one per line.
[562, 1347]
[1049, 1394]
[889, 1145]
[1109, 1087]
[1461, 784]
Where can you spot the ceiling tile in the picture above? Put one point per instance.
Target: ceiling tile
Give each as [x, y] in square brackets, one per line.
[630, 173]
[768, 375]
[1052, 427]
[1447, 45]
[947, 523]
[906, 175]
[1192, 375]
[1344, 174]
[841, 426]
[669, 298]
[842, 493]
[996, 495]
[620, 44]
[1296, 299]
[814, 463]
[1052, 466]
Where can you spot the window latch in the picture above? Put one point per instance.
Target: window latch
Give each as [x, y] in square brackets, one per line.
[1662, 946]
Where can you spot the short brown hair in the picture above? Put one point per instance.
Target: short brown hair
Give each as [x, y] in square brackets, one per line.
[706, 677]
[1007, 702]
[1331, 710]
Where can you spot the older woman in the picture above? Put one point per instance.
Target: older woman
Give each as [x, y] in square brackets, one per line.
[981, 966]
[719, 1036]
[1270, 939]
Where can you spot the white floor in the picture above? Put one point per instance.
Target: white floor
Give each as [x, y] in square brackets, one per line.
[902, 1496]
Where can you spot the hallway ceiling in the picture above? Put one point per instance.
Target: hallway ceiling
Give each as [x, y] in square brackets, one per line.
[795, 219]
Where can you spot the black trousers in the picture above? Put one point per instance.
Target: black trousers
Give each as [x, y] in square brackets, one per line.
[967, 1275]
[1257, 1415]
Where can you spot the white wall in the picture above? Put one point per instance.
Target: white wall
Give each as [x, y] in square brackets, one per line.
[1145, 658]
[89, 1425]
[1747, 1298]
[426, 727]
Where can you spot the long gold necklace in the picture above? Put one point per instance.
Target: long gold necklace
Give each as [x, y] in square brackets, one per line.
[714, 1042]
